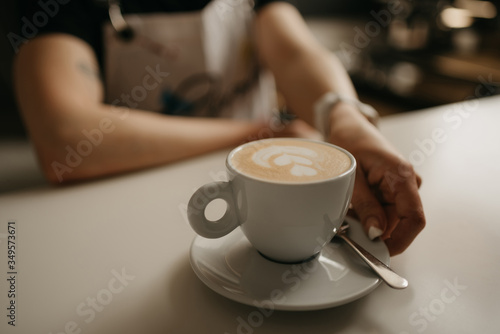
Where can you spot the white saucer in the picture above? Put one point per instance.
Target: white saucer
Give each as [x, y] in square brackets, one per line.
[233, 268]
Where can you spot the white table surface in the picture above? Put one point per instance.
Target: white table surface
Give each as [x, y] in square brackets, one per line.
[72, 241]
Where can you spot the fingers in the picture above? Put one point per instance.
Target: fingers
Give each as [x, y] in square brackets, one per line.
[419, 181]
[367, 207]
[392, 221]
[402, 237]
[409, 215]
[392, 210]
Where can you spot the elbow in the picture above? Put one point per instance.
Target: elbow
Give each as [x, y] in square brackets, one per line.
[54, 165]
[57, 172]
[60, 161]
[65, 169]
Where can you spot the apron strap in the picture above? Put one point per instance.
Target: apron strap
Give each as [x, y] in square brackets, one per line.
[123, 30]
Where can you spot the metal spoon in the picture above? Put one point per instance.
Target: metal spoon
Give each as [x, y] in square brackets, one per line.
[383, 271]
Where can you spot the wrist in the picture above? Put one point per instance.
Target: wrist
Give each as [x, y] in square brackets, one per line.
[333, 110]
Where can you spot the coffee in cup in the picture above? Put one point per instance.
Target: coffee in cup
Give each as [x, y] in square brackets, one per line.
[287, 195]
[289, 160]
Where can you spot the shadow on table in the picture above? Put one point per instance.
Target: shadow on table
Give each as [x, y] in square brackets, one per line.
[186, 306]
[200, 310]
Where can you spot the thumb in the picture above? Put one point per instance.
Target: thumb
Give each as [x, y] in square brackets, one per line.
[367, 207]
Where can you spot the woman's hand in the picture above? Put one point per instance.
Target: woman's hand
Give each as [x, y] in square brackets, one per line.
[386, 191]
[385, 197]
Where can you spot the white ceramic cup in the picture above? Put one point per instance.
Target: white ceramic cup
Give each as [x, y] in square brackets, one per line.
[285, 221]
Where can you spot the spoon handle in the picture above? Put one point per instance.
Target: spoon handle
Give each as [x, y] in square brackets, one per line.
[390, 277]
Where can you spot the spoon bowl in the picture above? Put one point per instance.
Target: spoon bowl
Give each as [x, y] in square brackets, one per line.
[381, 269]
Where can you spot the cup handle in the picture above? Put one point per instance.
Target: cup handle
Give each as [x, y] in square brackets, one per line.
[199, 201]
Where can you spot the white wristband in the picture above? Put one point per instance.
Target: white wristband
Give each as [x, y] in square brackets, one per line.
[327, 101]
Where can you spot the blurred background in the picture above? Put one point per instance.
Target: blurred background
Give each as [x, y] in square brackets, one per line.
[406, 55]
[402, 55]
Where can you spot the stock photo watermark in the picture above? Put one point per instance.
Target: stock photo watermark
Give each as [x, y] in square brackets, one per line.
[12, 271]
[220, 176]
[229, 9]
[425, 315]
[88, 309]
[453, 118]
[30, 25]
[139, 93]
[372, 29]
[292, 278]
[94, 137]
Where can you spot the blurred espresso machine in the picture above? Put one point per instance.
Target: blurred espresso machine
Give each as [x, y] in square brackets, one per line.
[426, 52]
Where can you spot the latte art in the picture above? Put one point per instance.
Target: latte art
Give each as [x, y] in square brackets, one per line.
[297, 157]
[290, 160]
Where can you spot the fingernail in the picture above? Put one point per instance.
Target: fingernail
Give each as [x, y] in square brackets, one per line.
[373, 231]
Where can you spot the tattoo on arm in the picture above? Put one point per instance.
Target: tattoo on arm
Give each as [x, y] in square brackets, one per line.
[89, 70]
[94, 84]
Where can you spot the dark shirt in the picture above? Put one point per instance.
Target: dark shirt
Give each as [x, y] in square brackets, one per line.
[85, 18]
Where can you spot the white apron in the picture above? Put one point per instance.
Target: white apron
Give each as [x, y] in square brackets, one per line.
[191, 64]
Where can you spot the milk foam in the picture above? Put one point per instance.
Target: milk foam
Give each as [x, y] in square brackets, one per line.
[290, 160]
[286, 155]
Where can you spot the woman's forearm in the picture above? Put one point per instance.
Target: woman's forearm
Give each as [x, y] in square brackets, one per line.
[117, 140]
[77, 136]
[303, 69]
